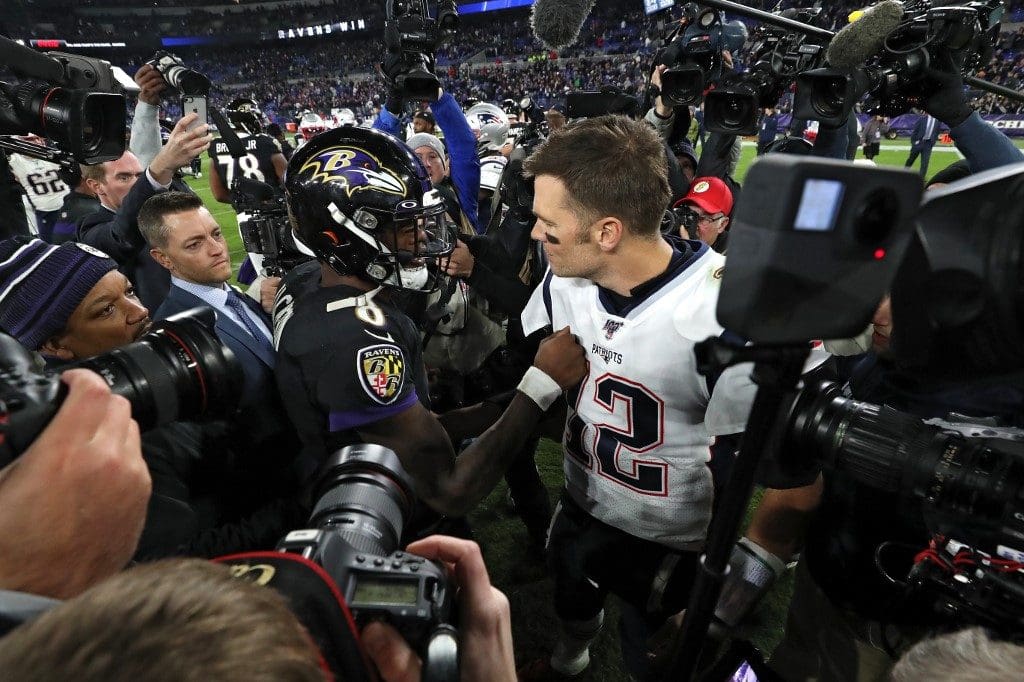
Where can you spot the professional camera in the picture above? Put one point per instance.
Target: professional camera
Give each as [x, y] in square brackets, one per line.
[363, 499]
[265, 227]
[895, 80]
[411, 37]
[956, 306]
[693, 53]
[69, 99]
[734, 107]
[178, 370]
[188, 82]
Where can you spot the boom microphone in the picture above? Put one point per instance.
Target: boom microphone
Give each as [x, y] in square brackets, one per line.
[557, 23]
[856, 43]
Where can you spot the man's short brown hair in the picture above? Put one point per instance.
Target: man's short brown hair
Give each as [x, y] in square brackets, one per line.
[179, 619]
[611, 166]
[96, 171]
[159, 206]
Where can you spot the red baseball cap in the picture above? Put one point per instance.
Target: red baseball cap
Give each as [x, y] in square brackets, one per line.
[710, 194]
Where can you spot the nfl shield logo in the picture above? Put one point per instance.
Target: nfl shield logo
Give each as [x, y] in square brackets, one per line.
[381, 370]
[610, 327]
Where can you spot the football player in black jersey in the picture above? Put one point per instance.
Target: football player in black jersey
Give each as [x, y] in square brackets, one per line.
[263, 160]
[349, 362]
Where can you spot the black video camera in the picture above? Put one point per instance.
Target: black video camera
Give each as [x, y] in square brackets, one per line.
[895, 80]
[693, 54]
[71, 100]
[411, 37]
[816, 258]
[178, 370]
[266, 230]
[363, 499]
[734, 107]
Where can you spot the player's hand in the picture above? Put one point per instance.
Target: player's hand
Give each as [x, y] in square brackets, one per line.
[485, 646]
[562, 358]
[151, 83]
[268, 292]
[460, 263]
[182, 146]
[73, 505]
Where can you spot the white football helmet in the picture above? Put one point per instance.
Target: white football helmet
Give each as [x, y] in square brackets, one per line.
[490, 125]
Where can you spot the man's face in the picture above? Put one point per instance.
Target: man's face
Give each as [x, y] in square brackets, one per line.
[119, 178]
[709, 225]
[110, 316]
[422, 125]
[195, 250]
[432, 162]
[882, 322]
[568, 245]
[408, 236]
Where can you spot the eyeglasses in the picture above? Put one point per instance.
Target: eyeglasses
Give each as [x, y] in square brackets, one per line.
[707, 219]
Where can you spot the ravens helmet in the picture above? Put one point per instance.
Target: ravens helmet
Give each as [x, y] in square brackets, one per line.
[490, 125]
[246, 115]
[362, 203]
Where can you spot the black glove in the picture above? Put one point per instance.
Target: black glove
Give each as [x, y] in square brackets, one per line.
[947, 101]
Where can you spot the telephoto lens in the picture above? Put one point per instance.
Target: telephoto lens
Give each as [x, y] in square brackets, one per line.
[178, 370]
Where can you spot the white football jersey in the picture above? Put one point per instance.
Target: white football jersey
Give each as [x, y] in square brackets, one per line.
[41, 180]
[639, 430]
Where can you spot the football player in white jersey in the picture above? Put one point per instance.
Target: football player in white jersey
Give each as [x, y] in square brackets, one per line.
[641, 427]
[45, 188]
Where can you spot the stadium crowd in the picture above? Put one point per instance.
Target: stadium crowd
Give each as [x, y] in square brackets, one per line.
[427, 295]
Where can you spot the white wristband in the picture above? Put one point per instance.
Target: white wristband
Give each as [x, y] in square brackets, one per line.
[539, 387]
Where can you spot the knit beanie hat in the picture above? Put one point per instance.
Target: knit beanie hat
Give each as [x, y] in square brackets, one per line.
[426, 140]
[41, 285]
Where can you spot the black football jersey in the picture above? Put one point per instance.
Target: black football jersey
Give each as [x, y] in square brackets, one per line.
[257, 163]
[345, 358]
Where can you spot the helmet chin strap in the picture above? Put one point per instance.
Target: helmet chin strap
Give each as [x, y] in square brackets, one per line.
[403, 277]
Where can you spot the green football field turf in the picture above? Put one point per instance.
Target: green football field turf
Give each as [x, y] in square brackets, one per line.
[503, 537]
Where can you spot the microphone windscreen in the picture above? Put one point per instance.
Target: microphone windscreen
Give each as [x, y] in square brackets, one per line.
[557, 23]
[857, 42]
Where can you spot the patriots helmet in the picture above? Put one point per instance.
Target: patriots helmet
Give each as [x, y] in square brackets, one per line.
[245, 115]
[490, 125]
[362, 203]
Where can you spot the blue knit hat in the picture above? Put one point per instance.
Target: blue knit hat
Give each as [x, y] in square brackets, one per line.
[41, 285]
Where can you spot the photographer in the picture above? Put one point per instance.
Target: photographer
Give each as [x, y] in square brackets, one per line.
[225, 627]
[69, 303]
[846, 621]
[114, 229]
[74, 503]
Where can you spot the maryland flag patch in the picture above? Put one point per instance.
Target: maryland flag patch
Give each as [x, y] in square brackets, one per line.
[381, 370]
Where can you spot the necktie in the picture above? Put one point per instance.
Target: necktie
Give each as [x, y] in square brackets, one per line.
[239, 308]
[929, 127]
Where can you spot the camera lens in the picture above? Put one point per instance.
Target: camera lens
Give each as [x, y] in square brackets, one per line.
[830, 96]
[177, 371]
[366, 496]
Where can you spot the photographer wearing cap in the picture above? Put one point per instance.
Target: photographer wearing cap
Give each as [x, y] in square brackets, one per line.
[710, 202]
[69, 303]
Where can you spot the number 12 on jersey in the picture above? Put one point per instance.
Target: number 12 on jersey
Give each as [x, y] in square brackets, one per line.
[642, 414]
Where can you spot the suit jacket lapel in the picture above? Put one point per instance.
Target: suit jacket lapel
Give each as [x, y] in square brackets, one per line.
[225, 325]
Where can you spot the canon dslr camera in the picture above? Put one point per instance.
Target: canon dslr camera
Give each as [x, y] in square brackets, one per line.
[363, 499]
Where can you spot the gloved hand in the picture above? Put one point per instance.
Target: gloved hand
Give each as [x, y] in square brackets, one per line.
[947, 101]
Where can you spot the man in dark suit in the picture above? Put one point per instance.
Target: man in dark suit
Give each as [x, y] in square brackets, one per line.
[768, 130]
[187, 241]
[122, 186]
[924, 137]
